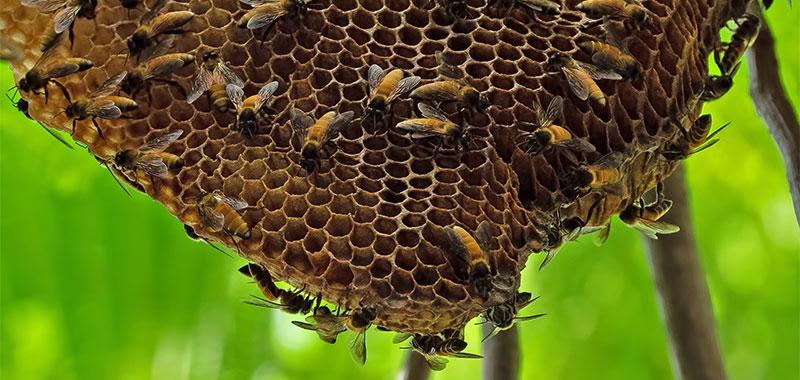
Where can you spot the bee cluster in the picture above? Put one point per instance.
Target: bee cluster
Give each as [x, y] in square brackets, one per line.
[398, 159]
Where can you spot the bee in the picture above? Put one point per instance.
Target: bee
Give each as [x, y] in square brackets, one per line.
[150, 158]
[645, 219]
[100, 103]
[548, 134]
[49, 67]
[476, 251]
[581, 76]
[152, 26]
[629, 10]
[214, 76]
[694, 141]
[263, 279]
[455, 89]
[314, 136]
[603, 174]
[68, 10]
[742, 38]
[436, 124]
[455, 8]
[327, 325]
[358, 322]
[384, 88]
[718, 85]
[154, 66]
[22, 106]
[504, 315]
[266, 12]
[613, 56]
[249, 110]
[545, 6]
[290, 302]
[219, 212]
[194, 236]
[434, 348]
[8, 51]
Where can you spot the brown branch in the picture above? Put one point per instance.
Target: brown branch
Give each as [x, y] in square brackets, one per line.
[414, 368]
[683, 292]
[501, 354]
[773, 105]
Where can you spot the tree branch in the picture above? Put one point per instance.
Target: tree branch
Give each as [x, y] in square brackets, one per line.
[683, 292]
[415, 368]
[501, 354]
[773, 105]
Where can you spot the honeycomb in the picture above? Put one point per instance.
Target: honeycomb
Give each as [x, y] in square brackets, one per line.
[367, 227]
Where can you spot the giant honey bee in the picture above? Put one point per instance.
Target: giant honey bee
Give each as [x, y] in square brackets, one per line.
[645, 218]
[548, 134]
[695, 140]
[603, 174]
[153, 26]
[435, 348]
[249, 110]
[263, 280]
[266, 12]
[49, 67]
[358, 322]
[219, 212]
[214, 76]
[581, 76]
[314, 136]
[100, 103]
[157, 64]
[436, 124]
[67, 11]
[613, 56]
[150, 158]
[327, 325]
[629, 10]
[384, 88]
[455, 89]
[504, 315]
[744, 36]
[475, 250]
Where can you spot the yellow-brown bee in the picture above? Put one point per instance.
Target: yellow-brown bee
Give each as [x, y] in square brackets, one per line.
[314, 136]
[67, 10]
[645, 218]
[475, 250]
[214, 76]
[718, 85]
[9, 51]
[155, 65]
[613, 56]
[504, 315]
[603, 174]
[629, 10]
[150, 158]
[153, 26]
[548, 134]
[695, 140]
[456, 89]
[436, 124]
[250, 110]
[385, 88]
[581, 76]
[358, 322]
[744, 36]
[266, 12]
[190, 232]
[49, 67]
[263, 279]
[292, 302]
[219, 212]
[100, 103]
[327, 325]
[434, 348]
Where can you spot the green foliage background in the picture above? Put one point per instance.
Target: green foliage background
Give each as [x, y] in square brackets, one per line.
[95, 285]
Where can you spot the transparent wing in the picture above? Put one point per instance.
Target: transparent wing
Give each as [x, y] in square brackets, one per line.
[421, 128]
[483, 235]
[262, 302]
[602, 235]
[300, 122]
[447, 70]
[404, 86]
[466, 355]
[431, 112]
[160, 143]
[168, 67]
[337, 124]
[265, 93]
[159, 49]
[151, 14]
[374, 77]
[659, 227]
[104, 108]
[152, 165]
[235, 94]
[235, 203]
[45, 5]
[65, 17]
[401, 337]
[304, 325]
[201, 84]
[265, 15]
[553, 110]
[578, 145]
[575, 82]
[612, 159]
[358, 348]
[598, 73]
[228, 75]
[705, 146]
[541, 119]
[108, 87]
[61, 68]
[258, 3]
[437, 363]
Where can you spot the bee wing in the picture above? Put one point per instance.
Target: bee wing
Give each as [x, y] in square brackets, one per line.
[447, 70]
[613, 159]
[235, 203]
[300, 122]
[201, 84]
[598, 73]
[159, 49]
[260, 301]
[160, 143]
[212, 219]
[358, 348]
[717, 131]
[168, 67]
[528, 318]
[46, 6]
[228, 75]
[108, 87]
[575, 82]
[151, 14]
[304, 325]
[705, 146]
[65, 17]
[466, 355]
[104, 108]
[418, 128]
[602, 234]
[553, 111]
[57, 69]
[483, 235]
[550, 255]
[374, 77]
[404, 86]
[257, 3]
[235, 94]
[401, 337]
[656, 227]
[265, 92]
[337, 124]
[431, 112]
[265, 15]
[437, 363]
[578, 145]
[152, 165]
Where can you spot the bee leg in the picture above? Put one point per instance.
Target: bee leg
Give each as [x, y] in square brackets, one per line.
[74, 123]
[71, 36]
[153, 182]
[238, 251]
[63, 90]
[97, 127]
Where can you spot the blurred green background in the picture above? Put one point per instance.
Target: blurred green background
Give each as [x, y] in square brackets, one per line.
[95, 285]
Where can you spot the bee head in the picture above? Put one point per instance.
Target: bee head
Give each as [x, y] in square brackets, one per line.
[124, 159]
[641, 19]
[72, 110]
[23, 85]
[585, 178]
[190, 232]
[554, 238]
[22, 106]
[300, 6]
[128, 84]
[464, 139]
[364, 316]
[210, 55]
[571, 224]
[502, 316]
[376, 106]
[309, 159]
[556, 60]
[137, 42]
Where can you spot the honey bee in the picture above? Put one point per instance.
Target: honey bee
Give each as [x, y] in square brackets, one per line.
[694, 141]
[214, 76]
[327, 325]
[545, 6]
[67, 10]
[150, 158]
[603, 174]
[613, 56]
[645, 219]
[266, 12]
[629, 10]
[263, 279]
[249, 110]
[455, 8]
[504, 315]
[718, 85]
[49, 67]
[100, 103]
[455, 89]
[50, 39]
[475, 250]
[358, 322]
[742, 38]
[384, 88]
[219, 212]
[314, 136]
[290, 302]
[190, 232]
[436, 124]
[548, 134]
[8, 51]
[156, 65]
[581, 76]
[152, 26]
[434, 348]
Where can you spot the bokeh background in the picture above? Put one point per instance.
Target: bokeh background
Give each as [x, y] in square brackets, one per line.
[96, 285]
